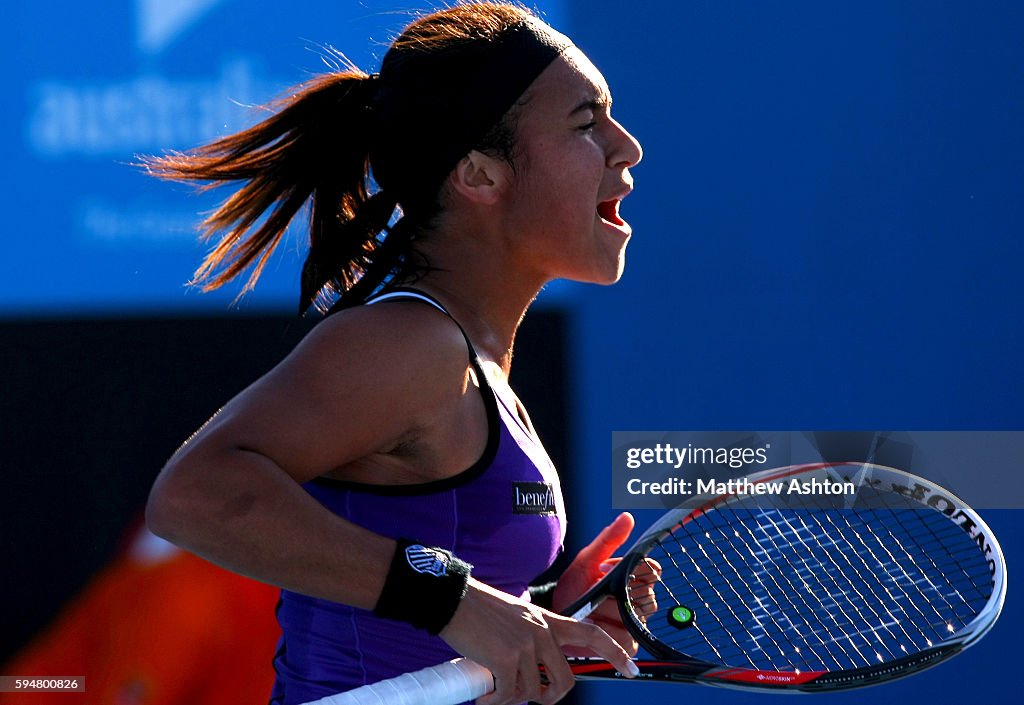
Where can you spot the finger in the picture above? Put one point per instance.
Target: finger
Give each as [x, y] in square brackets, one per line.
[642, 598]
[619, 633]
[607, 610]
[610, 539]
[558, 675]
[505, 687]
[643, 601]
[590, 636]
[529, 678]
[608, 618]
[646, 572]
[640, 591]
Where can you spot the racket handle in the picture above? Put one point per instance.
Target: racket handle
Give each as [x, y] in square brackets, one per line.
[445, 684]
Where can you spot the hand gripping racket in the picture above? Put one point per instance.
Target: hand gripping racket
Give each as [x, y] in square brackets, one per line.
[789, 580]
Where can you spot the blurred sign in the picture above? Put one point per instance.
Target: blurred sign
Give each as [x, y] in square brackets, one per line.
[96, 85]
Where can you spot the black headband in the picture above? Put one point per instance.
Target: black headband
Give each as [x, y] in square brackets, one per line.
[432, 109]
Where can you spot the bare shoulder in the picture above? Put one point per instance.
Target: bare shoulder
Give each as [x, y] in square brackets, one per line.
[405, 337]
[360, 383]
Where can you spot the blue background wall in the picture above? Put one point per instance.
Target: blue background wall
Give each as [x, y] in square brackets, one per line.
[828, 226]
[828, 217]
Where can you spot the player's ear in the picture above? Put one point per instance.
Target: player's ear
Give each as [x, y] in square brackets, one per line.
[480, 178]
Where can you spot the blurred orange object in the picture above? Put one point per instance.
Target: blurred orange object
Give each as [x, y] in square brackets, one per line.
[157, 626]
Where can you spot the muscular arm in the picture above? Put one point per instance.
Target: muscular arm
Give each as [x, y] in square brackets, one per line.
[348, 394]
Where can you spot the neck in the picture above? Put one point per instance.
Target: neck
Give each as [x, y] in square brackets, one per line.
[486, 296]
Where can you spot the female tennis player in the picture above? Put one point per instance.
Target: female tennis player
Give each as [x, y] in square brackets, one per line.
[384, 474]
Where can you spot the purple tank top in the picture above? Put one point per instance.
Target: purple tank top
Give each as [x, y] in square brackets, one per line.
[504, 515]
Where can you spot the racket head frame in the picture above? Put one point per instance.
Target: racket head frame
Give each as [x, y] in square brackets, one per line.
[672, 665]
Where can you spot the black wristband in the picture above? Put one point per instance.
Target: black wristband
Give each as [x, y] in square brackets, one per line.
[424, 586]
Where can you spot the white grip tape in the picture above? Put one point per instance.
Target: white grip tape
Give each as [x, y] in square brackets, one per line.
[445, 684]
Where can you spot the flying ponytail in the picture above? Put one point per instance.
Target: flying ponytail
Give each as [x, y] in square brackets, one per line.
[309, 150]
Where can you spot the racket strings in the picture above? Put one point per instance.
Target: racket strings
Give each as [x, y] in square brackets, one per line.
[671, 556]
[825, 594]
[722, 629]
[788, 546]
[982, 587]
[955, 562]
[906, 581]
[766, 604]
[819, 588]
[894, 586]
[885, 621]
[763, 589]
[931, 549]
[728, 582]
[836, 630]
[924, 581]
[787, 593]
[882, 566]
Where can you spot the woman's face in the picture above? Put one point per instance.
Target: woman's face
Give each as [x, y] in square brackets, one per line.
[573, 164]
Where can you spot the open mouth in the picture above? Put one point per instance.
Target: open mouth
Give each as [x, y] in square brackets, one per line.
[609, 211]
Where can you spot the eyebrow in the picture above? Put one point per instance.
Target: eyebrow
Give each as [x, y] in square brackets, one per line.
[593, 103]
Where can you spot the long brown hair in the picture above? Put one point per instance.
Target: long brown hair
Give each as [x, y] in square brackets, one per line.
[325, 144]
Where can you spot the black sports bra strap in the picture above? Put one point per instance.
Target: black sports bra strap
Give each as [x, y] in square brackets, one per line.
[406, 294]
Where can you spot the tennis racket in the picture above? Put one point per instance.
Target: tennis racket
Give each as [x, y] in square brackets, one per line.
[807, 578]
